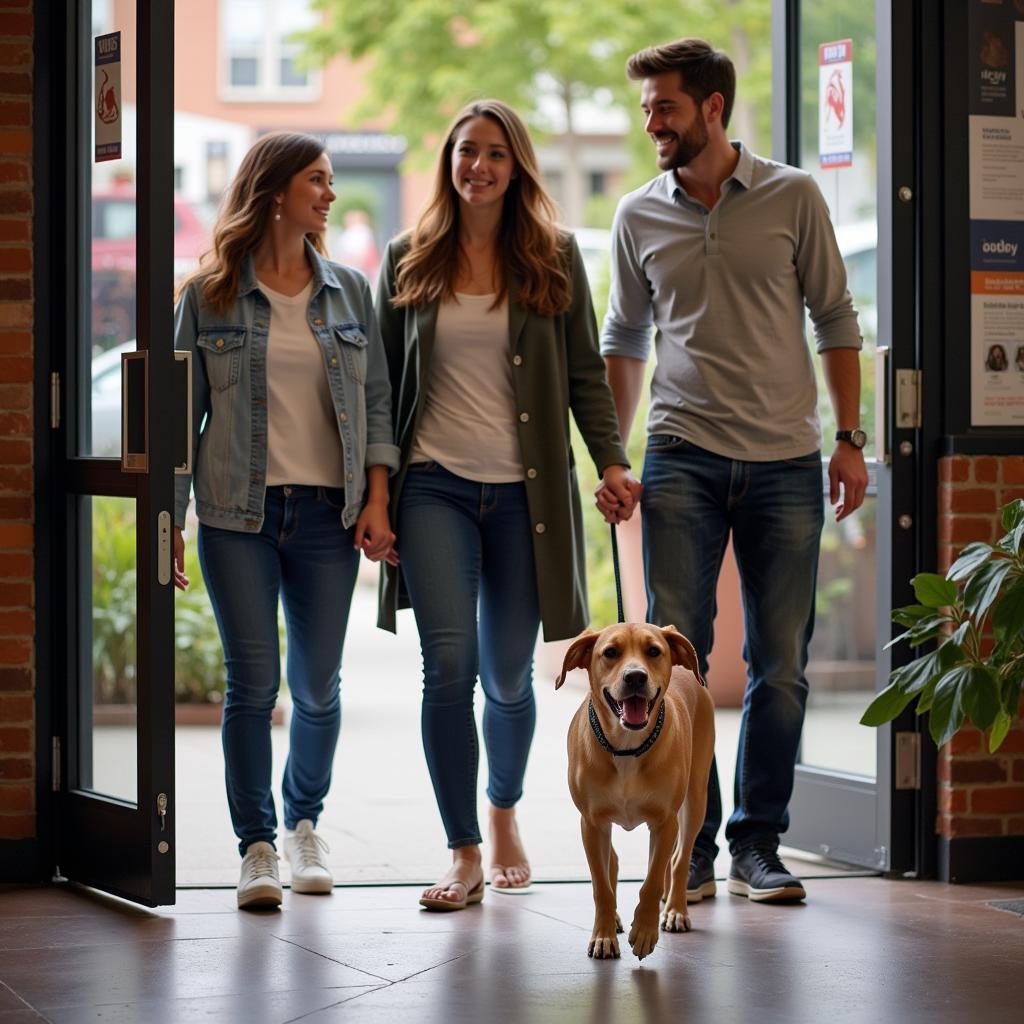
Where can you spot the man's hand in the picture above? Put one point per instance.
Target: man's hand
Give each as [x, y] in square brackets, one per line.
[373, 534]
[846, 468]
[617, 494]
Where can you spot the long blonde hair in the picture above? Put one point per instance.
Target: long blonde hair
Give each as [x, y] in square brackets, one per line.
[245, 211]
[530, 244]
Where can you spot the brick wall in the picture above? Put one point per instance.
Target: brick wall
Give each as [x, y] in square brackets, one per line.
[980, 794]
[17, 598]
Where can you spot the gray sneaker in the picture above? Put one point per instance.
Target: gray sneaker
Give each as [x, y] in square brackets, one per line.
[258, 884]
[700, 883]
[759, 874]
[306, 852]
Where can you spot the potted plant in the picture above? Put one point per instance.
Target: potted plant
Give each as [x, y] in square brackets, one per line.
[976, 613]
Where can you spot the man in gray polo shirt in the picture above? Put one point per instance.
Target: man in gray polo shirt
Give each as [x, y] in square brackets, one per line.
[720, 254]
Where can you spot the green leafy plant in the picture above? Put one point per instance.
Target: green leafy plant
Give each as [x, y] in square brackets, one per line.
[976, 612]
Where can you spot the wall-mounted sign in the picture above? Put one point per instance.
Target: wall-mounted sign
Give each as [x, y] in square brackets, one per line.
[996, 153]
[835, 104]
[108, 97]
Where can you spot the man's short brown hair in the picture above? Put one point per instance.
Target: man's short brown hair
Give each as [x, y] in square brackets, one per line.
[703, 70]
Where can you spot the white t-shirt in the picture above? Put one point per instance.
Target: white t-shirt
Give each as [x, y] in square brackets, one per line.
[303, 443]
[468, 423]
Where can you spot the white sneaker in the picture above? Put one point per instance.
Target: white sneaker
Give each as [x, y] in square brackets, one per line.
[259, 885]
[304, 850]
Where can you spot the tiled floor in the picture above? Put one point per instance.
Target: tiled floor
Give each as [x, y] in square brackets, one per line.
[860, 950]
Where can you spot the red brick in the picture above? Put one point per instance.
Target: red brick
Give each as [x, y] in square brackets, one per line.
[1014, 742]
[15, 24]
[17, 623]
[15, 55]
[14, 595]
[15, 82]
[16, 202]
[15, 112]
[16, 261]
[15, 314]
[964, 530]
[15, 369]
[12, 479]
[966, 741]
[15, 650]
[15, 397]
[1007, 495]
[955, 468]
[1015, 827]
[17, 826]
[15, 230]
[1018, 769]
[989, 770]
[16, 768]
[986, 469]
[1003, 800]
[946, 557]
[15, 739]
[15, 508]
[16, 143]
[15, 680]
[1013, 469]
[975, 499]
[15, 453]
[15, 709]
[15, 288]
[15, 343]
[952, 800]
[16, 799]
[962, 826]
[15, 171]
[943, 768]
[15, 423]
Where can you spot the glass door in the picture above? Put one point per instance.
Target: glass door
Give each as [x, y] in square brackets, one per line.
[844, 89]
[114, 466]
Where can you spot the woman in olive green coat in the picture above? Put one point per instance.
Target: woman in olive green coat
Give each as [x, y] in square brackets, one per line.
[491, 341]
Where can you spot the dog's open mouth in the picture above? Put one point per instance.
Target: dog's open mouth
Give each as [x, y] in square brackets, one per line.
[633, 712]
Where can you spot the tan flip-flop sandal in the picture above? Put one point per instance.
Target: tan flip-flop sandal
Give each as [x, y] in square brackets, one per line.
[474, 895]
[512, 890]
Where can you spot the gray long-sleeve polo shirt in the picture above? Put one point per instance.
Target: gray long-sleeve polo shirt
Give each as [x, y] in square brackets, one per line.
[725, 290]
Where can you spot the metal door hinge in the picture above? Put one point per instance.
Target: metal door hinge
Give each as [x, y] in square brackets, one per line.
[908, 399]
[54, 401]
[55, 764]
[908, 760]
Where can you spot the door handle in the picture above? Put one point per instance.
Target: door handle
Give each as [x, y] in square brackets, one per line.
[882, 450]
[135, 412]
[183, 400]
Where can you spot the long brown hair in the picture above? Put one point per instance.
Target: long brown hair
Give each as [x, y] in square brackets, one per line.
[245, 211]
[530, 244]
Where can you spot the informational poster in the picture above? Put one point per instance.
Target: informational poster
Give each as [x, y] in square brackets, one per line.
[108, 97]
[996, 143]
[835, 104]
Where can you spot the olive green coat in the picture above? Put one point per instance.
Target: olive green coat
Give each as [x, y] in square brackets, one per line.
[556, 367]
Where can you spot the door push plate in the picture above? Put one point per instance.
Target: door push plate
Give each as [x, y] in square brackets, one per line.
[163, 548]
[908, 399]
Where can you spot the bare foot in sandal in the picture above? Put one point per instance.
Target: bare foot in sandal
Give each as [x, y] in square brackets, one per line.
[510, 870]
[461, 885]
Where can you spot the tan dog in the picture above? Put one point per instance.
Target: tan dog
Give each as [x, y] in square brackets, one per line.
[650, 764]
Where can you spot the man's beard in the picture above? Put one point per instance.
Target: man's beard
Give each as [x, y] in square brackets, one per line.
[689, 145]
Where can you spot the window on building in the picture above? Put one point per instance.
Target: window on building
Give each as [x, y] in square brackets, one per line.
[598, 183]
[259, 55]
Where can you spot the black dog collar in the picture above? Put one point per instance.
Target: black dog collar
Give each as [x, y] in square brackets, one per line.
[632, 751]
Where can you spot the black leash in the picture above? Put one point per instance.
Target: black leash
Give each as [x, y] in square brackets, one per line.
[618, 578]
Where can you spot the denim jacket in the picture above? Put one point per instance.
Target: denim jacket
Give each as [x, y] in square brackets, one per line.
[229, 393]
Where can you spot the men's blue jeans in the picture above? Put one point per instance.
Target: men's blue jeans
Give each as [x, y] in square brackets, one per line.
[305, 556]
[691, 503]
[466, 545]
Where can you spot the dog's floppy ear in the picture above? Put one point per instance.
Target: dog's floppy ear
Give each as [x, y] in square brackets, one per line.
[682, 652]
[578, 655]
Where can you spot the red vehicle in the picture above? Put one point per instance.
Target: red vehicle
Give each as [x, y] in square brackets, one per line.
[113, 259]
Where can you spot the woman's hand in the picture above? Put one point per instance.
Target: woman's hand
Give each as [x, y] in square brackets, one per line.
[617, 494]
[180, 579]
[373, 532]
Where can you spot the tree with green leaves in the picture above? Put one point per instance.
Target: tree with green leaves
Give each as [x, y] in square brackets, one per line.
[427, 58]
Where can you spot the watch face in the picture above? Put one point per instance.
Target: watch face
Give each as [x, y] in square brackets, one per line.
[858, 438]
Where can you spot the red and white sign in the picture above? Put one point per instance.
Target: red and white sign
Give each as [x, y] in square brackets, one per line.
[835, 104]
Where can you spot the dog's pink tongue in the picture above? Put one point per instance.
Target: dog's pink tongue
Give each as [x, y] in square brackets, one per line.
[634, 710]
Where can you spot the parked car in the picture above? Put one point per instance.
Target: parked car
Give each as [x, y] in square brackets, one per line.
[105, 400]
[114, 258]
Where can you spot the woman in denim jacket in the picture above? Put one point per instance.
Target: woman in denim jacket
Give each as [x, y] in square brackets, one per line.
[491, 343]
[292, 446]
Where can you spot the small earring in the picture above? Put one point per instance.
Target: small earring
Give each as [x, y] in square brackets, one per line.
[277, 213]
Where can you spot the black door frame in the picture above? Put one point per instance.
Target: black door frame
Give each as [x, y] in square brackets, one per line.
[875, 823]
[95, 840]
